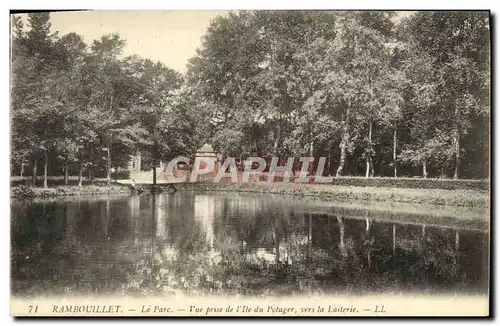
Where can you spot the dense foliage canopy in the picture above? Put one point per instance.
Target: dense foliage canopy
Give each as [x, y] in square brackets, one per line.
[368, 90]
[374, 93]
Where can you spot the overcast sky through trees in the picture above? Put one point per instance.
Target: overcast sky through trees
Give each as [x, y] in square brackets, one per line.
[171, 37]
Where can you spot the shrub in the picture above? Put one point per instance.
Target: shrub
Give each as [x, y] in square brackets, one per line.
[122, 174]
[23, 191]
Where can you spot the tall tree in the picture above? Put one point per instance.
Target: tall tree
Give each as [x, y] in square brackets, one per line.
[158, 110]
[459, 44]
[109, 92]
[37, 102]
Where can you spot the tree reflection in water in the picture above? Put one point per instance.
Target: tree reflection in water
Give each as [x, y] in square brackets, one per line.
[196, 244]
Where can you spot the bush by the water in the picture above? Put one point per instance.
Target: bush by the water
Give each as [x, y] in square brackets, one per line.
[25, 191]
[22, 191]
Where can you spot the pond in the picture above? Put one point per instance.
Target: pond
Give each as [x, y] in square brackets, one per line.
[243, 244]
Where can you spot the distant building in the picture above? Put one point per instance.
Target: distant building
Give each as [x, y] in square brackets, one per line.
[134, 164]
[207, 152]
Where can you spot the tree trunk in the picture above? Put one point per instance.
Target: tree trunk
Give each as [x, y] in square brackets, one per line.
[329, 168]
[34, 171]
[395, 142]
[457, 154]
[343, 149]
[155, 160]
[91, 177]
[66, 174]
[424, 169]
[45, 167]
[456, 141]
[343, 144]
[80, 176]
[154, 174]
[108, 165]
[22, 170]
[277, 140]
[372, 170]
[369, 168]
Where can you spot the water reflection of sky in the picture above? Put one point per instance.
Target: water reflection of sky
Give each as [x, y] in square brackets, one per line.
[241, 244]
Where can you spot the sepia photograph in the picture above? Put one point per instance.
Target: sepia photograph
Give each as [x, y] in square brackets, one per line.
[245, 163]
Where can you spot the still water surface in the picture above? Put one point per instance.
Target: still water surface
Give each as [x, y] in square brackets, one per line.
[243, 244]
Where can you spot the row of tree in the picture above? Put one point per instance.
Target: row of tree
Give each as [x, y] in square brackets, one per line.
[375, 94]
[368, 90]
[84, 107]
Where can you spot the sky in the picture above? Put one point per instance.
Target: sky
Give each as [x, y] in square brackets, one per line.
[171, 37]
[168, 36]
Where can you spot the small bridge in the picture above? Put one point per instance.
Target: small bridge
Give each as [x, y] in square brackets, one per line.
[148, 184]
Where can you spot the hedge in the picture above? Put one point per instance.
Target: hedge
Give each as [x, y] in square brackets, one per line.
[447, 184]
[420, 183]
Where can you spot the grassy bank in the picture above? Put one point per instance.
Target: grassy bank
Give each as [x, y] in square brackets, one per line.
[470, 198]
[26, 191]
[462, 197]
